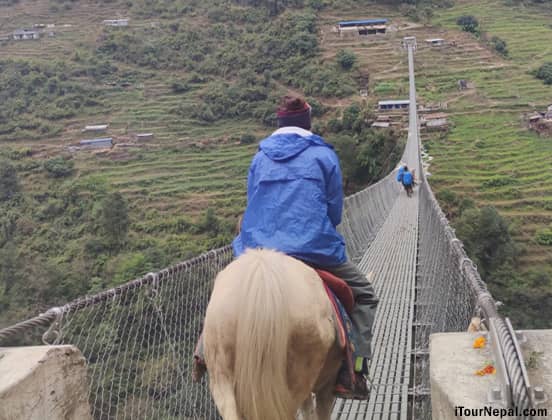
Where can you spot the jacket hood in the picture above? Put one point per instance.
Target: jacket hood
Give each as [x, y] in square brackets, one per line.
[287, 145]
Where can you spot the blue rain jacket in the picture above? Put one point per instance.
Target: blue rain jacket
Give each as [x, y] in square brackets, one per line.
[400, 174]
[407, 178]
[294, 200]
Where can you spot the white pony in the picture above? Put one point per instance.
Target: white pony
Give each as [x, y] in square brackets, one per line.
[270, 341]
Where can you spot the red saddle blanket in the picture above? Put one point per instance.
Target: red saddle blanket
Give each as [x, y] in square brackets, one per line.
[340, 289]
[342, 300]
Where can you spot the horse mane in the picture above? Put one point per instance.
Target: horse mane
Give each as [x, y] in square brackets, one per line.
[263, 325]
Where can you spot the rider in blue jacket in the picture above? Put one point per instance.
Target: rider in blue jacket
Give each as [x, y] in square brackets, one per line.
[294, 205]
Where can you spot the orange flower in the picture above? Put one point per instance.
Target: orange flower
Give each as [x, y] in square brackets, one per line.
[479, 342]
[487, 370]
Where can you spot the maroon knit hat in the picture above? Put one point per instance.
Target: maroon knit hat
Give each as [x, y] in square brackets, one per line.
[294, 111]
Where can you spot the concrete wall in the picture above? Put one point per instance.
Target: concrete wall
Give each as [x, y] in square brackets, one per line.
[454, 361]
[42, 383]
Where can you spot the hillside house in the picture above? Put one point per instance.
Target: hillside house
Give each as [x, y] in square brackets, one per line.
[383, 118]
[116, 22]
[98, 143]
[362, 27]
[435, 42]
[381, 124]
[144, 136]
[548, 115]
[534, 119]
[436, 120]
[25, 34]
[396, 104]
[97, 128]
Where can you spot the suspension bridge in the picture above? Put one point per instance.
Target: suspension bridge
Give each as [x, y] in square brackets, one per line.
[138, 338]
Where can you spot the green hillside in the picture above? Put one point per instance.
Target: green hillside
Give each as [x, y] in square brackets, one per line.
[204, 77]
[490, 154]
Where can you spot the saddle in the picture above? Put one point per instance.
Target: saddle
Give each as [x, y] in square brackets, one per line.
[343, 302]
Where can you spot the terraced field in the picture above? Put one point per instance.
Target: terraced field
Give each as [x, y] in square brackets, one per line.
[489, 138]
[186, 168]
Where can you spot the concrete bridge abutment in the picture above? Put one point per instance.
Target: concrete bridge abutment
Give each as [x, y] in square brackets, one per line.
[42, 383]
[457, 392]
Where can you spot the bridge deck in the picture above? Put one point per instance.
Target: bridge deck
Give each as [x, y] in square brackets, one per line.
[391, 259]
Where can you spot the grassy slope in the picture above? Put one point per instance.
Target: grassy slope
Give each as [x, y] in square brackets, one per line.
[169, 184]
[490, 139]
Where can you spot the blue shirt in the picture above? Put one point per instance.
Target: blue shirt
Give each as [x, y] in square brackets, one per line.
[400, 174]
[407, 178]
[294, 199]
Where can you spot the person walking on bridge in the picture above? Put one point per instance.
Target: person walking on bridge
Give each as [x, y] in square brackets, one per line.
[294, 205]
[408, 181]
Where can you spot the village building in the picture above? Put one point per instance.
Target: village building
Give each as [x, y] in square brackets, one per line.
[548, 115]
[381, 124]
[24, 34]
[383, 118]
[435, 42]
[393, 104]
[436, 120]
[534, 119]
[462, 84]
[362, 27]
[98, 143]
[144, 136]
[97, 128]
[116, 22]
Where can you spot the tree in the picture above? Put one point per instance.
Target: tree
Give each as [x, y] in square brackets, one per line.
[545, 73]
[9, 184]
[59, 167]
[499, 45]
[487, 239]
[114, 219]
[346, 59]
[468, 23]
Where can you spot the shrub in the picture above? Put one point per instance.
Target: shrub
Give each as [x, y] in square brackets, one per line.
[346, 59]
[487, 239]
[178, 86]
[544, 237]
[59, 167]
[499, 181]
[499, 45]
[114, 219]
[247, 139]
[9, 184]
[544, 73]
[468, 23]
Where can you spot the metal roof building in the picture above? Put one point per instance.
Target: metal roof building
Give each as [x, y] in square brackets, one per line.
[393, 104]
[362, 22]
[97, 143]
